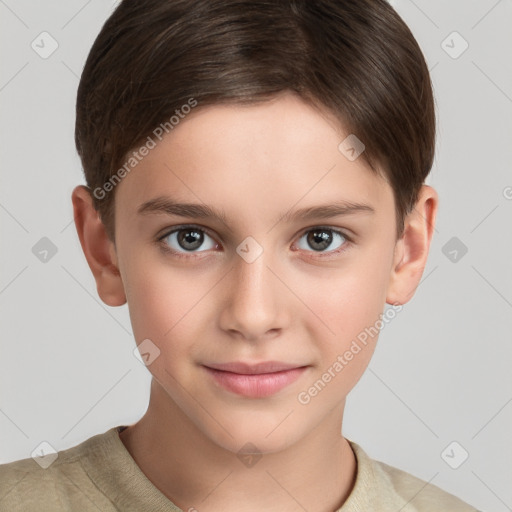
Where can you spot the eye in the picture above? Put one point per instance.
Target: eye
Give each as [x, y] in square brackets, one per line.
[321, 238]
[187, 239]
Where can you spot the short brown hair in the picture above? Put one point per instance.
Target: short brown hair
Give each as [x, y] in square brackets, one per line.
[357, 58]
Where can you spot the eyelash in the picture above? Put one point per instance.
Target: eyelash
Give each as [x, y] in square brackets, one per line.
[165, 247]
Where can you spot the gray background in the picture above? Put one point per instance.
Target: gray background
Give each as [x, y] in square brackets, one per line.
[441, 372]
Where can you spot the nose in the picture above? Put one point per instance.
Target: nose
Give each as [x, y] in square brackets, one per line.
[254, 300]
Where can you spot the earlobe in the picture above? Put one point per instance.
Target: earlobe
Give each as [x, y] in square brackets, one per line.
[411, 251]
[98, 249]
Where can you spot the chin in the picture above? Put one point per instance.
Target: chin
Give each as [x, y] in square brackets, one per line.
[267, 436]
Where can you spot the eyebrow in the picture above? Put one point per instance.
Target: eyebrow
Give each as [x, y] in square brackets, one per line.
[166, 205]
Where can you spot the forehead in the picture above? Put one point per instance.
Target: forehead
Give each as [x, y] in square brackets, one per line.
[257, 158]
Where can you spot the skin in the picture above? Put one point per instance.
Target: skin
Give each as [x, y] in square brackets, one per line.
[255, 163]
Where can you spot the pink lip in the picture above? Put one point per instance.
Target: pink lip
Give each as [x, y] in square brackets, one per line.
[254, 368]
[255, 381]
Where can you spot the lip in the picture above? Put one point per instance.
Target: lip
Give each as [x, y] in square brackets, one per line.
[254, 368]
[255, 380]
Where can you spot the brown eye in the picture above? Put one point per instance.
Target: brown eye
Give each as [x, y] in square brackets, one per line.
[188, 239]
[319, 239]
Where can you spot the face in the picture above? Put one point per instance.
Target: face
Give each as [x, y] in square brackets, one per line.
[263, 283]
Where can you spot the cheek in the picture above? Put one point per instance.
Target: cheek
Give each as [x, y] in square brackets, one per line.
[347, 299]
[162, 302]
[348, 304]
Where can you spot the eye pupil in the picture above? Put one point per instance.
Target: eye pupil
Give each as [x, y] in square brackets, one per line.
[190, 239]
[320, 237]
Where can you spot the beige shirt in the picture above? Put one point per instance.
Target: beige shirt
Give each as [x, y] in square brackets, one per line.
[100, 475]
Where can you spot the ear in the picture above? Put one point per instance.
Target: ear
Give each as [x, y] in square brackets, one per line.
[411, 250]
[99, 250]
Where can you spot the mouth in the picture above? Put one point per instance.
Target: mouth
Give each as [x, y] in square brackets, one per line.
[254, 368]
[255, 380]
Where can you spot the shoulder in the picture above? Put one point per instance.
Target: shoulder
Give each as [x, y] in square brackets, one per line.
[55, 482]
[410, 492]
[426, 496]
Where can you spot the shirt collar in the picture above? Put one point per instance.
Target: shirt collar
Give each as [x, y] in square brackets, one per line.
[113, 470]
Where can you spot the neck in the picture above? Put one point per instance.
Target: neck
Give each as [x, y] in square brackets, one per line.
[194, 472]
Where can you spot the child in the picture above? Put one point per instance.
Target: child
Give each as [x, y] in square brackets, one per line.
[288, 143]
